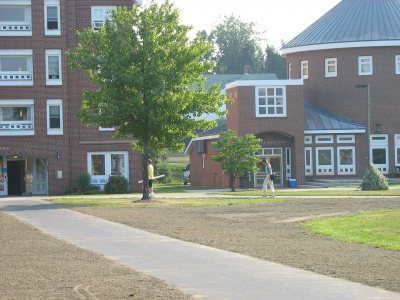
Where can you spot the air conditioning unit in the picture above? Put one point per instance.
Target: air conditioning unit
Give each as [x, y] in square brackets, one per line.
[97, 25]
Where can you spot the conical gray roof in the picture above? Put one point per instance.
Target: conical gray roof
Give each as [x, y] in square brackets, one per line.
[353, 21]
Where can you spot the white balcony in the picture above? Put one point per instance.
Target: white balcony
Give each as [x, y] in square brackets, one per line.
[15, 28]
[5, 77]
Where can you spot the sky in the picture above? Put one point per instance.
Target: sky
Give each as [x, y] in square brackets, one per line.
[277, 20]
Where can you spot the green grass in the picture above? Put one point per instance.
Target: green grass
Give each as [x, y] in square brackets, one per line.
[376, 228]
[126, 202]
[320, 192]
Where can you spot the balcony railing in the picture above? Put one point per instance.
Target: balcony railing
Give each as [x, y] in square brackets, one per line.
[5, 77]
[16, 126]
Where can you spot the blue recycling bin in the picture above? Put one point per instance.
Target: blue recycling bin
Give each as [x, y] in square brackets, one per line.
[292, 182]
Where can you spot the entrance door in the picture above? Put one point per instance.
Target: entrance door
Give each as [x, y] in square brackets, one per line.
[3, 176]
[276, 168]
[16, 175]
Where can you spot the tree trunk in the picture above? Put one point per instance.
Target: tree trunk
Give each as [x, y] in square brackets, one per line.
[145, 157]
[232, 182]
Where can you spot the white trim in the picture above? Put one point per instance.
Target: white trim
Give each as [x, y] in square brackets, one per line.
[239, 83]
[308, 169]
[55, 131]
[330, 62]
[324, 169]
[369, 62]
[343, 45]
[308, 139]
[334, 131]
[22, 52]
[346, 169]
[266, 106]
[57, 81]
[380, 144]
[209, 137]
[15, 2]
[288, 154]
[17, 101]
[329, 137]
[396, 146]
[351, 141]
[304, 66]
[52, 3]
[397, 64]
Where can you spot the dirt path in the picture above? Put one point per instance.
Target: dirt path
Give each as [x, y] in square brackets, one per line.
[36, 266]
[272, 232]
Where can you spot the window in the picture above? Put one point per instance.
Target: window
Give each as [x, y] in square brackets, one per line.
[54, 117]
[52, 17]
[365, 65]
[102, 165]
[346, 139]
[308, 139]
[16, 68]
[289, 71]
[397, 149]
[15, 20]
[271, 102]
[346, 160]
[288, 163]
[379, 152]
[304, 69]
[53, 67]
[324, 161]
[324, 139]
[397, 63]
[100, 14]
[330, 67]
[308, 161]
[16, 117]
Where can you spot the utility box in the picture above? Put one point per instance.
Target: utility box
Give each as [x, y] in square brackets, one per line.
[292, 182]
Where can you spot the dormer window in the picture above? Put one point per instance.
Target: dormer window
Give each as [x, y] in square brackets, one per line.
[330, 67]
[15, 20]
[365, 65]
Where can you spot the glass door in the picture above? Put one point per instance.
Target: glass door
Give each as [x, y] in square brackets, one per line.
[3, 176]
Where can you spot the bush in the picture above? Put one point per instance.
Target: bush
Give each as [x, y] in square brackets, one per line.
[116, 185]
[173, 172]
[83, 186]
[374, 180]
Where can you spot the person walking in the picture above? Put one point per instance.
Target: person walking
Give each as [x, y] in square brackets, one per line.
[268, 181]
[150, 173]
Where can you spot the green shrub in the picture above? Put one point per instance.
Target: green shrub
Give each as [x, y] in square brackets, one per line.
[173, 172]
[116, 185]
[374, 180]
[83, 186]
[84, 180]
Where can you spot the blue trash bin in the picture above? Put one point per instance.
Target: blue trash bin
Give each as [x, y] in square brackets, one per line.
[292, 182]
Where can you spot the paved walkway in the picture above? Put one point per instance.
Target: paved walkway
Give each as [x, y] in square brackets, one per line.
[199, 270]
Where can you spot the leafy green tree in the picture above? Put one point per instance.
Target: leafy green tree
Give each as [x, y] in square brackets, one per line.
[237, 155]
[275, 63]
[144, 67]
[237, 46]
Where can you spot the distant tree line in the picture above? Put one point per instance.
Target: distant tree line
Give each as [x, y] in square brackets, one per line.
[238, 49]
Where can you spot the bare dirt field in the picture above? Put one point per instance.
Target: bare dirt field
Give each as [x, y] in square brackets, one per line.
[272, 232]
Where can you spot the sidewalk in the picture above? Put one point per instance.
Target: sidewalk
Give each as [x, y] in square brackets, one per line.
[199, 270]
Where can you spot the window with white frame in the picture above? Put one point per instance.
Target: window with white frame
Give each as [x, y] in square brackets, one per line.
[397, 149]
[55, 117]
[288, 163]
[16, 117]
[346, 139]
[102, 165]
[289, 71]
[330, 67]
[53, 67]
[324, 161]
[346, 164]
[308, 139]
[271, 101]
[380, 152]
[397, 64]
[324, 139]
[100, 14]
[365, 65]
[15, 18]
[16, 68]
[52, 17]
[308, 161]
[304, 69]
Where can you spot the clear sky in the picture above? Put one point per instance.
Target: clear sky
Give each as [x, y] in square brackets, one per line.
[276, 19]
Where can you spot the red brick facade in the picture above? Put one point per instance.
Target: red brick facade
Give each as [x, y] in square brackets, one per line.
[66, 152]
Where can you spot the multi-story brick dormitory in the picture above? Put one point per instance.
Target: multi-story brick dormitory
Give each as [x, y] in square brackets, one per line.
[339, 106]
[43, 145]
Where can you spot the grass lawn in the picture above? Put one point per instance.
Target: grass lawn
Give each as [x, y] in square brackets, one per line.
[376, 228]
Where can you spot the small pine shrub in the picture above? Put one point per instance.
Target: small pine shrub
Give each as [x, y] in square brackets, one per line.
[116, 185]
[83, 186]
[374, 180]
[84, 180]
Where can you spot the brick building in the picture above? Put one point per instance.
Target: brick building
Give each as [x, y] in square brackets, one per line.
[339, 107]
[43, 145]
